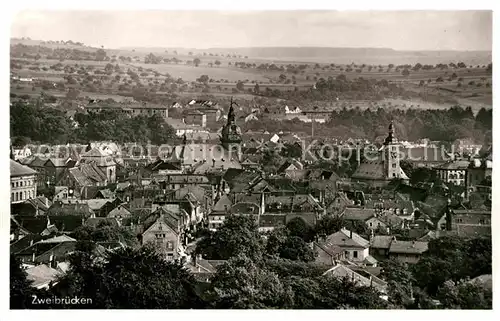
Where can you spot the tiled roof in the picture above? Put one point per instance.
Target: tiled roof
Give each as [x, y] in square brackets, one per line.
[223, 204]
[42, 275]
[209, 155]
[58, 239]
[409, 247]
[370, 170]
[358, 214]
[37, 162]
[341, 271]
[95, 221]
[24, 243]
[17, 169]
[245, 208]
[381, 241]
[97, 204]
[32, 224]
[329, 248]
[342, 238]
[272, 220]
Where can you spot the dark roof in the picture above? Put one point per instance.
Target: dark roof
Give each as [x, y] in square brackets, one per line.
[35, 225]
[67, 223]
[17, 169]
[95, 221]
[370, 170]
[329, 248]
[75, 209]
[358, 214]
[272, 220]
[381, 241]
[24, 243]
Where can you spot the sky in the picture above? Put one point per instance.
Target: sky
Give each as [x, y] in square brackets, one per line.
[399, 30]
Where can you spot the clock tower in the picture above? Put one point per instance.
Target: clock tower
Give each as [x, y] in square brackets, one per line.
[231, 134]
[391, 156]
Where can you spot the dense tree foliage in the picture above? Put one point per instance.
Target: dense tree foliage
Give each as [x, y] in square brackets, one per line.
[48, 125]
[130, 279]
[452, 258]
[106, 232]
[237, 236]
[20, 286]
[410, 124]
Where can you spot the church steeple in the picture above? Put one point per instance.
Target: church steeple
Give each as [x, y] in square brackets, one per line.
[230, 114]
[231, 133]
[390, 139]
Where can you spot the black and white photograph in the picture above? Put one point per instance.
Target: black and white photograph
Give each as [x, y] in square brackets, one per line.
[250, 159]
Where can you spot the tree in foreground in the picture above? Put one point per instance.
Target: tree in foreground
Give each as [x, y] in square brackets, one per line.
[20, 287]
[130, 279]
[238, 235]
[242, 284]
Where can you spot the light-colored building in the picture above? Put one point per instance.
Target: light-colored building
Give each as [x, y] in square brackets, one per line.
[355, 247]
[130, 109]
[453, 172]
[22, 182]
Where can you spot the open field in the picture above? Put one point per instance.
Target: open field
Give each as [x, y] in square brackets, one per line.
[469, 86]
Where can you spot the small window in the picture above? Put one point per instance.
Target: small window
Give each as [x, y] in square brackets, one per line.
[371, 224]
[393, 174]
[355, 254]
[459, 220]
[347, 254]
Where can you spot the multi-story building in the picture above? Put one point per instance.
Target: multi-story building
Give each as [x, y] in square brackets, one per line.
[195, 117]
[22, 182]
[453, 172]
[381, 168]
[130, 109]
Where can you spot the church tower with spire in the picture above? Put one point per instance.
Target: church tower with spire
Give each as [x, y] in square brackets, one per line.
[392, 157]
[231, 133]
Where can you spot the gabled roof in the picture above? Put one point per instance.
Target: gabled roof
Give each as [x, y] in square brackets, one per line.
[342, 271]
[172, 220]
[17, 169]
[358, 213]
[24, 243]
[329, 248]
[223, 204]
[370, 170]
[381, 241]
[343, 238]
[35, 225]
[409, 247]
[42, 275]
[58, 239]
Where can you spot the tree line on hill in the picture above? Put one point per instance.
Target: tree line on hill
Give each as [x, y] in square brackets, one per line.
[31, 123]
[411, 124]
[276, 272]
